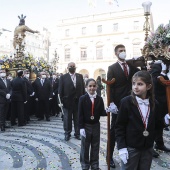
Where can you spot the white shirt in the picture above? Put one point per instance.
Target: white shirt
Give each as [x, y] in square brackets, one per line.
[143, 105]
[92, 96]
[73, 77]
[120, 63]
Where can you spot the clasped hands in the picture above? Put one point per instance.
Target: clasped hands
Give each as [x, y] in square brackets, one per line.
[112, 108]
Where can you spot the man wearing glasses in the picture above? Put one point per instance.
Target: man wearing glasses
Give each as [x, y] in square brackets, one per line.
[71, 87]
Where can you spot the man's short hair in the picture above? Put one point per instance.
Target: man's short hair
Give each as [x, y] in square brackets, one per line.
[19, 73]
[119, 46]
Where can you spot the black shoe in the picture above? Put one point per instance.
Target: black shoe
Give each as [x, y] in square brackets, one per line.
[67, 138]
[166, 129]
[162, 148]
[78, 137]
[48, 119]
[13, 124]
[7, 126]
[112, 164]
[3, 128]
[22, 124]
[39, 119]
[155, 154]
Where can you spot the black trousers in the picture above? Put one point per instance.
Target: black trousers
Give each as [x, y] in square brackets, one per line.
[91, 145]
[159, 133]
[43, 106]
[138, 159]
[112, 135]
[2, 114]
[27, 110]
[69, 115]
[17, 109]
[54, 108]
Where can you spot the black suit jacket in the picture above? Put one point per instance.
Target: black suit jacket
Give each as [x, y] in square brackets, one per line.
[55, 85]
[122, 85]
[42, 92]
[85, 109]
[19, 90]
[69, 93]
[129, 125]
[4, 90]
[29, 87]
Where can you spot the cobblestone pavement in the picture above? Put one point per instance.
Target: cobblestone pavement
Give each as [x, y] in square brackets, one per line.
[40, 145]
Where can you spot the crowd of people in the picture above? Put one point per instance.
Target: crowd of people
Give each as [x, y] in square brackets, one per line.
[138, 108]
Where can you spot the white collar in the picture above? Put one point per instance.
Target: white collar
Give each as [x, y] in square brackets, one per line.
[141, 101]
[92, 96]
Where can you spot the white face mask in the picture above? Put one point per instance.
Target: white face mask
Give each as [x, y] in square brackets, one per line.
[44, 76]
[27, 76]
[85, 78]
[3, 74]
[54, 76]
[9, 78]
[122, 55]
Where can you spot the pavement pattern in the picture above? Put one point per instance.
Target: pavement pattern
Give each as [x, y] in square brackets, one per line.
[40, 145]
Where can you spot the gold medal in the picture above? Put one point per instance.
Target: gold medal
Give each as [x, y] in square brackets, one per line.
[92, 117]
[145, 133]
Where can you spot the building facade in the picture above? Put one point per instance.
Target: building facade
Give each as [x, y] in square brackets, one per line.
[89, 41]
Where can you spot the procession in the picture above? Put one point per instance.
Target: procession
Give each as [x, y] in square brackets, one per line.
[72, 114]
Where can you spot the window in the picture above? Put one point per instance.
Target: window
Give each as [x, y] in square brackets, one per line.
[136, 25]
[115, 27]
[67, 54]
[99, 28]
[84, 31]
[99, 52]
[83, 53]
[67, 33]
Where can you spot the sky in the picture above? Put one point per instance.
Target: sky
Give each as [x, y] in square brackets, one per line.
[46, 13]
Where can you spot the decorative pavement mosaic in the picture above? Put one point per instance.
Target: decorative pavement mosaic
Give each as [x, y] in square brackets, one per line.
[40, 145]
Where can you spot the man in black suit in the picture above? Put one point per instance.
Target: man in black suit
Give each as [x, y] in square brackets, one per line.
[43, 93]
[122, 72]
[5, 93]
[30, 93]
[159, 69]
[18, 99]
[54, 102]
[71, 87]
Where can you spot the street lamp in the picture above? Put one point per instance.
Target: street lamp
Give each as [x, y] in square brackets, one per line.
[55, 60]
[146, 5]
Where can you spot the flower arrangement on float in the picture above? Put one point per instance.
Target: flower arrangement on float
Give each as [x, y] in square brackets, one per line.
[158, 42]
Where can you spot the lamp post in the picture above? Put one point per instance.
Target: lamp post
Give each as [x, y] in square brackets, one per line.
[146, 27]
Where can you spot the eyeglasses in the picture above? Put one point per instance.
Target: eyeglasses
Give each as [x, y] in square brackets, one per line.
[92, 85]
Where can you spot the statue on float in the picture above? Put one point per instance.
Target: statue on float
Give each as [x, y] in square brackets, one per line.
[20, 31]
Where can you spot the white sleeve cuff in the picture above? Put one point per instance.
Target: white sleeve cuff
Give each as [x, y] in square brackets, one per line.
[163, 73]
[122, 151]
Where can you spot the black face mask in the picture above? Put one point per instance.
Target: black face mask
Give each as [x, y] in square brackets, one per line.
[72, 70]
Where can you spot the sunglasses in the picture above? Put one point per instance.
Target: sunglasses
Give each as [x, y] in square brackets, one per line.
[92, 85]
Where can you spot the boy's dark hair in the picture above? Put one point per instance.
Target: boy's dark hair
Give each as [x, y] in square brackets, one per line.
[119, 46]
[90, 79]
[19, 73]
[146, 78]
